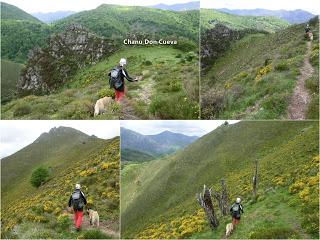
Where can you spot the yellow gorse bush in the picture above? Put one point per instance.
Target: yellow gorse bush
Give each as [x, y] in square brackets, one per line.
[262, 71]
[181, 227]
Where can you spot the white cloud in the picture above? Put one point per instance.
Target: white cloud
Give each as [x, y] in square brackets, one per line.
[31, 6]
[187, 127]
[312, 6]
[18, 134]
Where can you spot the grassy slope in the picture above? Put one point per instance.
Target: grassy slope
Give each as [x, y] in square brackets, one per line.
[118, 21]
[131, 156]
[9, 79]
[172, 90]
[210, 17]
[235, 79]
[160, 202]
[96, 167]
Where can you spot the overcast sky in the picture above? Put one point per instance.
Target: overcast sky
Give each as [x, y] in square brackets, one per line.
[32, 6]
[186, 127]
[312, 6]
[17, 134]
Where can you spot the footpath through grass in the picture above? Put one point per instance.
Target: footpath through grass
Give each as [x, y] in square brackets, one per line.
[168, 89]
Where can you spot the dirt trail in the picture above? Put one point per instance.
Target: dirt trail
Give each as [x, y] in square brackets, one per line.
[127, 111]
[104, 226]
[300, 99]
[144, 93]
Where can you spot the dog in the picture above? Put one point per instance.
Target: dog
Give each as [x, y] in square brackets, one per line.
[229, 229]
[93, 217]
[101, 105]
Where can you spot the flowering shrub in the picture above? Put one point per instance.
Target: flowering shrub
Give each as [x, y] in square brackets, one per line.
[181, 227]
[263, 71]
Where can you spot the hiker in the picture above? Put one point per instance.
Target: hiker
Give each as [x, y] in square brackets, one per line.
[236, 210]
[116, 79]
[77, 200]
[307, 29]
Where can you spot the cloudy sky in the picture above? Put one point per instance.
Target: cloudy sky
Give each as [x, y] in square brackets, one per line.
[312, 6]
[32, 6]
[187, 127]
[18, 134]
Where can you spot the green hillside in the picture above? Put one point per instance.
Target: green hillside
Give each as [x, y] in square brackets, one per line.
[168, 89]
[71, 157]
[9, 79]
[10, 12]
[158, 197]
[131, 156]
[18, 37]
[120, 21]
[255, 77]
[20, 32]
[210, 17]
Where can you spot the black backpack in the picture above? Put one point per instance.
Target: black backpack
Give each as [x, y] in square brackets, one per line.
[77, 201]
[236, 210]
[115, 78]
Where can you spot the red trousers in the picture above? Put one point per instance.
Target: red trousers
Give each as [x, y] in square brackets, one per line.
[118, 95]
[235, 221]
[77, 218]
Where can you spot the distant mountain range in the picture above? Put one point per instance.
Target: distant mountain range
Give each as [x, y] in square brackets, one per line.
[293, 17]
[179, 7]
[50, 17]
[154, 145]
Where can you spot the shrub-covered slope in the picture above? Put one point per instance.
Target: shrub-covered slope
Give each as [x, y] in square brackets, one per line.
[256, 75]
[158, 197]
[71, 157]
[210, 17]
[120, 21]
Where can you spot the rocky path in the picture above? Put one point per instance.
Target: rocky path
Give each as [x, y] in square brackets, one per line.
[300, 99]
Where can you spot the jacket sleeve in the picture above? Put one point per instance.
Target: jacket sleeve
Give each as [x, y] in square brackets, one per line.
[241, 208]
[84, 198]
[70, 200]
[126, 75]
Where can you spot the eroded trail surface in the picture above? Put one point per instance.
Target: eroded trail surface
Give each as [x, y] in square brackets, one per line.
[300, 99]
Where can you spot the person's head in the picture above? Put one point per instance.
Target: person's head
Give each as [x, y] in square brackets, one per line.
[238, 200]
[307, 25]
[122, 62]
[78, 186]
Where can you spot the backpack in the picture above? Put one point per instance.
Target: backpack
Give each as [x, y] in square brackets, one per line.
[77, 201]
[115, 78]
[236, 210]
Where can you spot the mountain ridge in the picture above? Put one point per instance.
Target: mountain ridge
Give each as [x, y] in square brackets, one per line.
[157, 144]
[291, 16]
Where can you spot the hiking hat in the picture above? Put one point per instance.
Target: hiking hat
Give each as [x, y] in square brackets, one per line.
[78, 186]
[238, 200]
[122, 62]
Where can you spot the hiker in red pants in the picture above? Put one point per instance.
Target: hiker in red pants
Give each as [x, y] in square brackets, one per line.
[77, 201]
[116, 79]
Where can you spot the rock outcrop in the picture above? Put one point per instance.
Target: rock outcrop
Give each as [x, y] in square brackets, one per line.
[50, 67]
